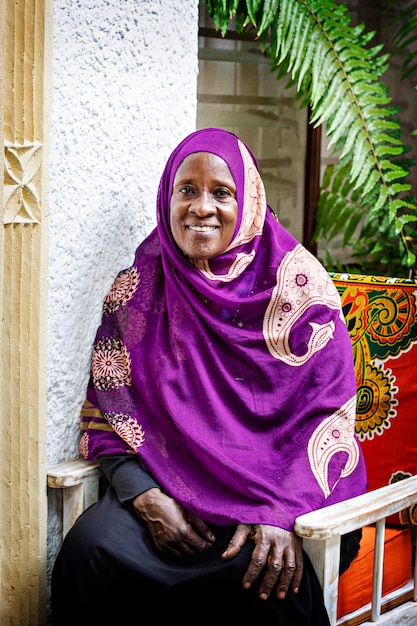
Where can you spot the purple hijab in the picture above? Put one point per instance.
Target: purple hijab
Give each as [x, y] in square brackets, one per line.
[232, 379]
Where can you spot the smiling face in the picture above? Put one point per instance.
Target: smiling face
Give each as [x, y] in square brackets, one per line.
[203, 206]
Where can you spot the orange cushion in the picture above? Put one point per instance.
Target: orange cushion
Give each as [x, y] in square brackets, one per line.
[381, 315]
[355, 585]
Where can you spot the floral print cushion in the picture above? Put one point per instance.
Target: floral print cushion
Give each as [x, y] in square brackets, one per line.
[381, 316]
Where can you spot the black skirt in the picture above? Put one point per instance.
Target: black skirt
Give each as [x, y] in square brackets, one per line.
[108, 572]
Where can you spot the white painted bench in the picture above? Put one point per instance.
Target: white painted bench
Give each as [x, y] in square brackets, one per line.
[320, 530]
[79, 481]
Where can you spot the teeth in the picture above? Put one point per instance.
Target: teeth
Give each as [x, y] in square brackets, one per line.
[202, 229]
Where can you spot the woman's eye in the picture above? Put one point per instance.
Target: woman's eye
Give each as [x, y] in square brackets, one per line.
[221, 193]
[186, 190]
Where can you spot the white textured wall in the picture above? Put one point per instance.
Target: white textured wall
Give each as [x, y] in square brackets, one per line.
[124, 94]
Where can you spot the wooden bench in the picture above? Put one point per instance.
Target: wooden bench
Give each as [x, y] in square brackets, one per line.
[80, 482]
[321, 531]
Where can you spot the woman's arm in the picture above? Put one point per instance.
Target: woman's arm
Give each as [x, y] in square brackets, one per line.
[127, 477]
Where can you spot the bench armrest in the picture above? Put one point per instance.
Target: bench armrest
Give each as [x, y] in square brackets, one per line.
[368, 508]
[79, 479]
[321, 531]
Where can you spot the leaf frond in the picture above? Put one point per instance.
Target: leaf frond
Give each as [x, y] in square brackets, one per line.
[338, 73]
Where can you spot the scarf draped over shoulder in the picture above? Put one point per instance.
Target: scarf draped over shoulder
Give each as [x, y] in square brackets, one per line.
[232, 378]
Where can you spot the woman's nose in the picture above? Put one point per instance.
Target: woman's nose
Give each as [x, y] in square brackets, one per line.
[203, 204]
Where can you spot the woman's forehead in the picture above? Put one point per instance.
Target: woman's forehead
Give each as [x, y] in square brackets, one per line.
[197, 161]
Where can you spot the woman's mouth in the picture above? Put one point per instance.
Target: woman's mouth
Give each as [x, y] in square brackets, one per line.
[201, 228]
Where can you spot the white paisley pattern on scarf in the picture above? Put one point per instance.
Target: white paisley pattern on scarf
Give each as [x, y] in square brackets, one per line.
[253, 215]
[240, 263]
[301, 283]
[333, 435]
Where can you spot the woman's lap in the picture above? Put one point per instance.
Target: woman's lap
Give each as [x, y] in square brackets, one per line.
[108, 571]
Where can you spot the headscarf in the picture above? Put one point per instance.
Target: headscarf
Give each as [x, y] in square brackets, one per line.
[231, 378]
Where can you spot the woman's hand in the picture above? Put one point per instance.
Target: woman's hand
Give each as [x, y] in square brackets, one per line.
[277, 553]
[174, 531]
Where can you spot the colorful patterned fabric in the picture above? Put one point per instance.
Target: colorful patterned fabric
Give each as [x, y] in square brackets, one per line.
[232, 379]
[381, 315]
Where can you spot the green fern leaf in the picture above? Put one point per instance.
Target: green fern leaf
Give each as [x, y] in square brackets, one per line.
[351, 228]
[269, 9]
[337, 72]
[372, 179]
[253, 10]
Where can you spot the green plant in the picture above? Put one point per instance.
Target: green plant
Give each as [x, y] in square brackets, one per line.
[405, 37]
[365, 197]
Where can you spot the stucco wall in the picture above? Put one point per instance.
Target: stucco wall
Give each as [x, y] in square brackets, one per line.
[124, 94]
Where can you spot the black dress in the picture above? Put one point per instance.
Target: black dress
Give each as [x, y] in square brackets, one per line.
[108, 572]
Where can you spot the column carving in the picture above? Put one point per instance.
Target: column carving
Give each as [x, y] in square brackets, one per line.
[25, 96]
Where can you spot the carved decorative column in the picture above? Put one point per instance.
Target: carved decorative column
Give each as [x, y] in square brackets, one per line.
[26, 49]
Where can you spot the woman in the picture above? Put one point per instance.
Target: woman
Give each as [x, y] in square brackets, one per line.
[221, 405]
